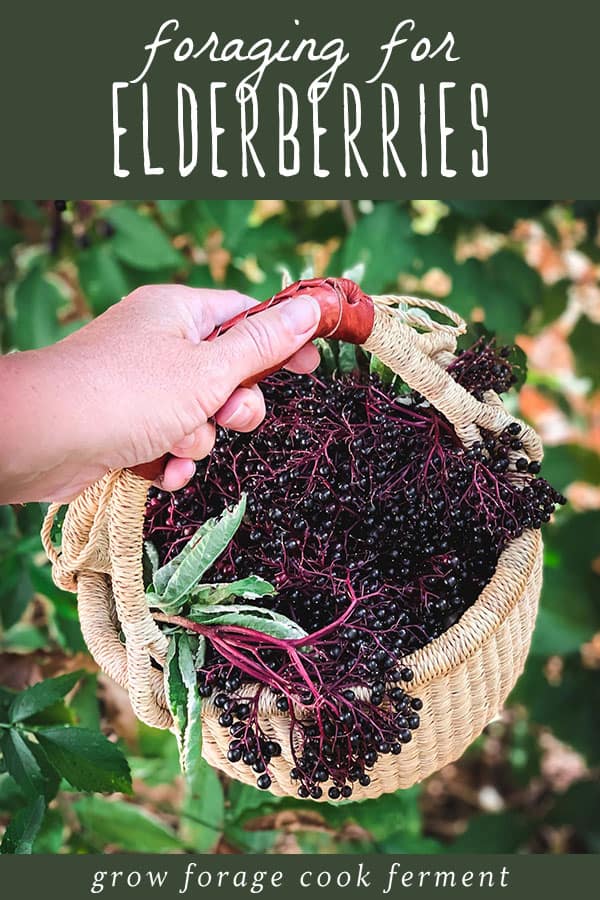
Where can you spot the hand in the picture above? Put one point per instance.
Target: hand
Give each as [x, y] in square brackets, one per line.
[140, 381]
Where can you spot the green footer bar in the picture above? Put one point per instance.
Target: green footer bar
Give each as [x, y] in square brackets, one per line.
[129, 876]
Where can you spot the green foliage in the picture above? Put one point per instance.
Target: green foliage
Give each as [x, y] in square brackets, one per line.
[139, 242]
[23, 828]
[128, 827]
[52, 750]
[175, 581]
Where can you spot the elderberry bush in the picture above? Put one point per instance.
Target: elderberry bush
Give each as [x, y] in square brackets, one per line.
[378, 529]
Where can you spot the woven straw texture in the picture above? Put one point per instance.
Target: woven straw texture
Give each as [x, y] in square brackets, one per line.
[463, 677]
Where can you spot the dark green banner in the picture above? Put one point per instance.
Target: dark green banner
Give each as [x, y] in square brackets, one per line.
[120, 877]
[316, 99]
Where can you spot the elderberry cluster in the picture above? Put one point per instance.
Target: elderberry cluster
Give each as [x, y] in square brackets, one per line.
[484, 367]
[362, 507]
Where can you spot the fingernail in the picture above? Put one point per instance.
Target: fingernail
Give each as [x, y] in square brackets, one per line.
[241, 415]
[301, 314]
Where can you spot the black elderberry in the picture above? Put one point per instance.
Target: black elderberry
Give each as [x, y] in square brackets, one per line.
[264, 782]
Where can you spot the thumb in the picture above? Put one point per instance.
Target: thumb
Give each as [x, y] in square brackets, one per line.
[265, 340]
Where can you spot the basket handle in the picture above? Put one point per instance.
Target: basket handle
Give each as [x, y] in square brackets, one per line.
[347, 313]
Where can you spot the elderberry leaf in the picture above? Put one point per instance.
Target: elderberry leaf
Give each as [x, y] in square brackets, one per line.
[127, 826]
[86, 759]
[139, 242]
[247, 588]
[253, 617]
[23, 828]
[41, 695]
[175, 580]
[21, 763]
[175, 690]
[184, 701]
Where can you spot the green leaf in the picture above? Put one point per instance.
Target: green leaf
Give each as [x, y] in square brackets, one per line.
[50, 838]
[248, 588]
[500, 214]
[584, 341]
[170, 212]
[85, 703]
[381, 817]
[175, 689]
[184, 701]
[578, 809]
[16, 589]
[328, 356]
[37, 301]
[568, 705]
[203, 811]
[22, 638]
[86, 759]
[21, 763]
[139, 241]
[376, 367]
[346, 357]
[33, 699]
[231, 216]
[568, 463]
[569, 613]
[23, 828]
[245, 616]
[383, 242]
[503, 832]
[174, 581]
[128, 827]
[102, 278]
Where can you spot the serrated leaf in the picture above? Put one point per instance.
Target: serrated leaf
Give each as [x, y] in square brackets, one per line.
[248, 588]
[86, 759]
[174, 581]
[139, 241]
[245, 616]
[129, 827]
[21, 763]
[23, 828]
[42, 695]
[184, 700]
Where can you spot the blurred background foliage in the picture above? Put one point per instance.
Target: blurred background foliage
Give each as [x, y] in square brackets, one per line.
[527, 270]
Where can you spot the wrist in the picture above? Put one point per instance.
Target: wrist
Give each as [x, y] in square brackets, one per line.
[45, 438]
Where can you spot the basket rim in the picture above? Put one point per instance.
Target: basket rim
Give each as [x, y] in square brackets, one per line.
[463, 639]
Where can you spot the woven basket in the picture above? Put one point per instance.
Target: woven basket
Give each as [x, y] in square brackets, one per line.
[463, 677]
